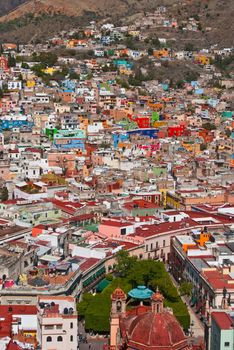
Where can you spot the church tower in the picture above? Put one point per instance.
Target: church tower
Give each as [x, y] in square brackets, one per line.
[157, 303]
[118, 308]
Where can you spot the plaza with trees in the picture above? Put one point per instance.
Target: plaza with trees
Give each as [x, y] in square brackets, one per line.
[129, 273]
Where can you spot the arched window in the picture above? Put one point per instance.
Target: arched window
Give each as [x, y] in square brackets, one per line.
[119, 306]
[60, 338]
[71, 338]
[49, 339]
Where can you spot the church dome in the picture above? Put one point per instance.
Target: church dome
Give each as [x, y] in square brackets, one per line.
[156, 331]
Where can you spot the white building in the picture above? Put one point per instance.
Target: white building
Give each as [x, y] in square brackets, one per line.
[57, 323]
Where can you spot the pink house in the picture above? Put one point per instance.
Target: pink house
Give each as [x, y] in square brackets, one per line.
[114, 228]
[63, 160]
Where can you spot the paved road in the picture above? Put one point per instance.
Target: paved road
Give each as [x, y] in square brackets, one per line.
[93, 343]
[197, 328]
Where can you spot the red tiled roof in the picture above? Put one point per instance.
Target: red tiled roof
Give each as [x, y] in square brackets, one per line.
[79, 218]
[115, 223]
[221, 218]
[135, 204]
[18, 309]
[150, 230]
[88, 263]
[223, 320]
[13, 346]
[68, 207]
[218, 280]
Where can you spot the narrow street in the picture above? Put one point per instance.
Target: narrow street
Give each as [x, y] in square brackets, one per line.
[197, 327]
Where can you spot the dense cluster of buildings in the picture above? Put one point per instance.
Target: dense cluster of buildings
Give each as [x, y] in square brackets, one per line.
[91, 164]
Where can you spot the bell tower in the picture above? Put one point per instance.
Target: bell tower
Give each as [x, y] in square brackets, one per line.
[157, 302]
[118, 308]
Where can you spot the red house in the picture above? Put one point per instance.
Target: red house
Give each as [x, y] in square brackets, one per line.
[176, 131]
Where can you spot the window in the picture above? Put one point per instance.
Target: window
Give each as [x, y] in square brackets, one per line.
[49, 327]
[151, 246]
[60, 339]
[164, 242]
[71, 325]
[71, 338]
[49, 339]
[59, 326]
[123, 231]
[226, 343]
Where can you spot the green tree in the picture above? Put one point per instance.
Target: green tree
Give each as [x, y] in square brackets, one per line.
[155, 41]
[74, 75]
[186, 288]
[11, 61]
[150, 51]
[209, 126]
[123, 262]
[228, 132]
[25, 65]
[48, 59]
[4, 194]
[189, 47]
[203, 146]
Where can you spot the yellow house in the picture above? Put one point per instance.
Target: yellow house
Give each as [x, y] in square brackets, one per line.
[202, 59]
[84, 122]
[124, 70]
[172, 201]
[30, 83]
[159, 123]
[50, 70]
[126, 145]
[134, 33]
[163, 192]
[191, 147]
[71, 43]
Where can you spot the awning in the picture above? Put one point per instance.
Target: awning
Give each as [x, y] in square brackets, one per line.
[102, 285]
[193, 301]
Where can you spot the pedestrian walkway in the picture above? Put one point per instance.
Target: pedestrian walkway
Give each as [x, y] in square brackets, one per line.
[196, 326]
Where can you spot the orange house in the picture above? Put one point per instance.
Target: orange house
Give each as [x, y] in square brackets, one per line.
[66, 97]
[163, 53]
[37, 230]
[155, 105]
[204, 237]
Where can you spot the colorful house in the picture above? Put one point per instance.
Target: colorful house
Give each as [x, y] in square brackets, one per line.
[176, 130]
[162, 53]
[201, 59]
[70, 139]
[4, 64]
